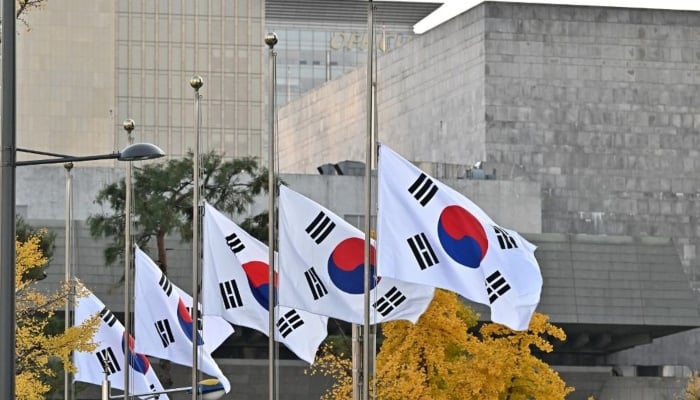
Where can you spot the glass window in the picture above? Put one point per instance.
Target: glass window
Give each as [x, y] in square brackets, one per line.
[123, 6]
[149, 61]
[163, 33]
[122, 83]
[163, 57]
[214, 87]
[122, 55]
[215, 121]
[163, 87]
[176, 58]
[176, 29]
[229, 8]
[189, 30]
[163, 6]
[241, 34]
[215, 26]
[241, 116]
[189, 7]
[203, 31]
[123, 27]
[149, 111]
[216, 7]
[188, 61]
[203, 8]
[243, 8]
[229, 33]
[135, 27]
[228, 88]
[149, 84]
[229, 115]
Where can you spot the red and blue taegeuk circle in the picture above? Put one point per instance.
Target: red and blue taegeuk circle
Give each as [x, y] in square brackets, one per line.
[258, 274]
[462, 236]
[138, 361]
[346, 266]
[185, 319]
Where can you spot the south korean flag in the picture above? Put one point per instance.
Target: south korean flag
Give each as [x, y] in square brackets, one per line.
[163, 321]
[107, 360]
[322, 268]
[429, 233]
[236, 282]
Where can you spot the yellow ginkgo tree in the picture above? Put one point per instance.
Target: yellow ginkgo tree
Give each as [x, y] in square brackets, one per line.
[36, 346]
[441, 358]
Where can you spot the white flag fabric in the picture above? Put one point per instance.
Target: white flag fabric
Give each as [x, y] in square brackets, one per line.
[163, 323]
[109, 355]
[322, 268]
[429, 233]
[235, 282]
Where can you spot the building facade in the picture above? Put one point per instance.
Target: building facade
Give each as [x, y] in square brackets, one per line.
[85, 68]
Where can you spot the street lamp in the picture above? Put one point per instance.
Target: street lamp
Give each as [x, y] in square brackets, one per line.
[132, 152]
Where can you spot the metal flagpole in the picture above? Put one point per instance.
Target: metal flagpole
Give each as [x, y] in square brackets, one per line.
[128, 127]
[68, 263]
[271, 41]
[196, 82]
[368, 201]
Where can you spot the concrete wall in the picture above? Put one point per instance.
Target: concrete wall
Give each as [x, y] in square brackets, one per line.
[430, 105]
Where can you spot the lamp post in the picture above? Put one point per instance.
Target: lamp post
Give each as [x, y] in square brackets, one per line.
[132, 152]
[7, 204]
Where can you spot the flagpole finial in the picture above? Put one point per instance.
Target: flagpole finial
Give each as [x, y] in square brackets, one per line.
[196, 82]
[129, 125]
[271, 39]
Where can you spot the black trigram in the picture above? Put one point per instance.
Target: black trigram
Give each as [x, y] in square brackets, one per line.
[164, 331]
[234, 243]
[108, 361]
[320, 227]
[422, 251]
[289, 322]
[165, 284]
[387, 303]
[108, 317]
[317, 288]
[230, 294]
[496, 286]
[423, 189]
[504, 239]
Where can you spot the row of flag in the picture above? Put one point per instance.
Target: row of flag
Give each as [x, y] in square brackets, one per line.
[428, 236]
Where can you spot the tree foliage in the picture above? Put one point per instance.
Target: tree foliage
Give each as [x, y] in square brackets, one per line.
[162, 201]
[692, 389]
[36, 347]
[442, 357]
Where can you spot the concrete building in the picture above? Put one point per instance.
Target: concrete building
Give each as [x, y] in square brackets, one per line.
[597, 106]
[84, 68]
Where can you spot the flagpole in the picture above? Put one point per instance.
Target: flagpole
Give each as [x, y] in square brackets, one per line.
[128, 126]
[368, 202]
[196, 82]
[271, 41]
[68, 264]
